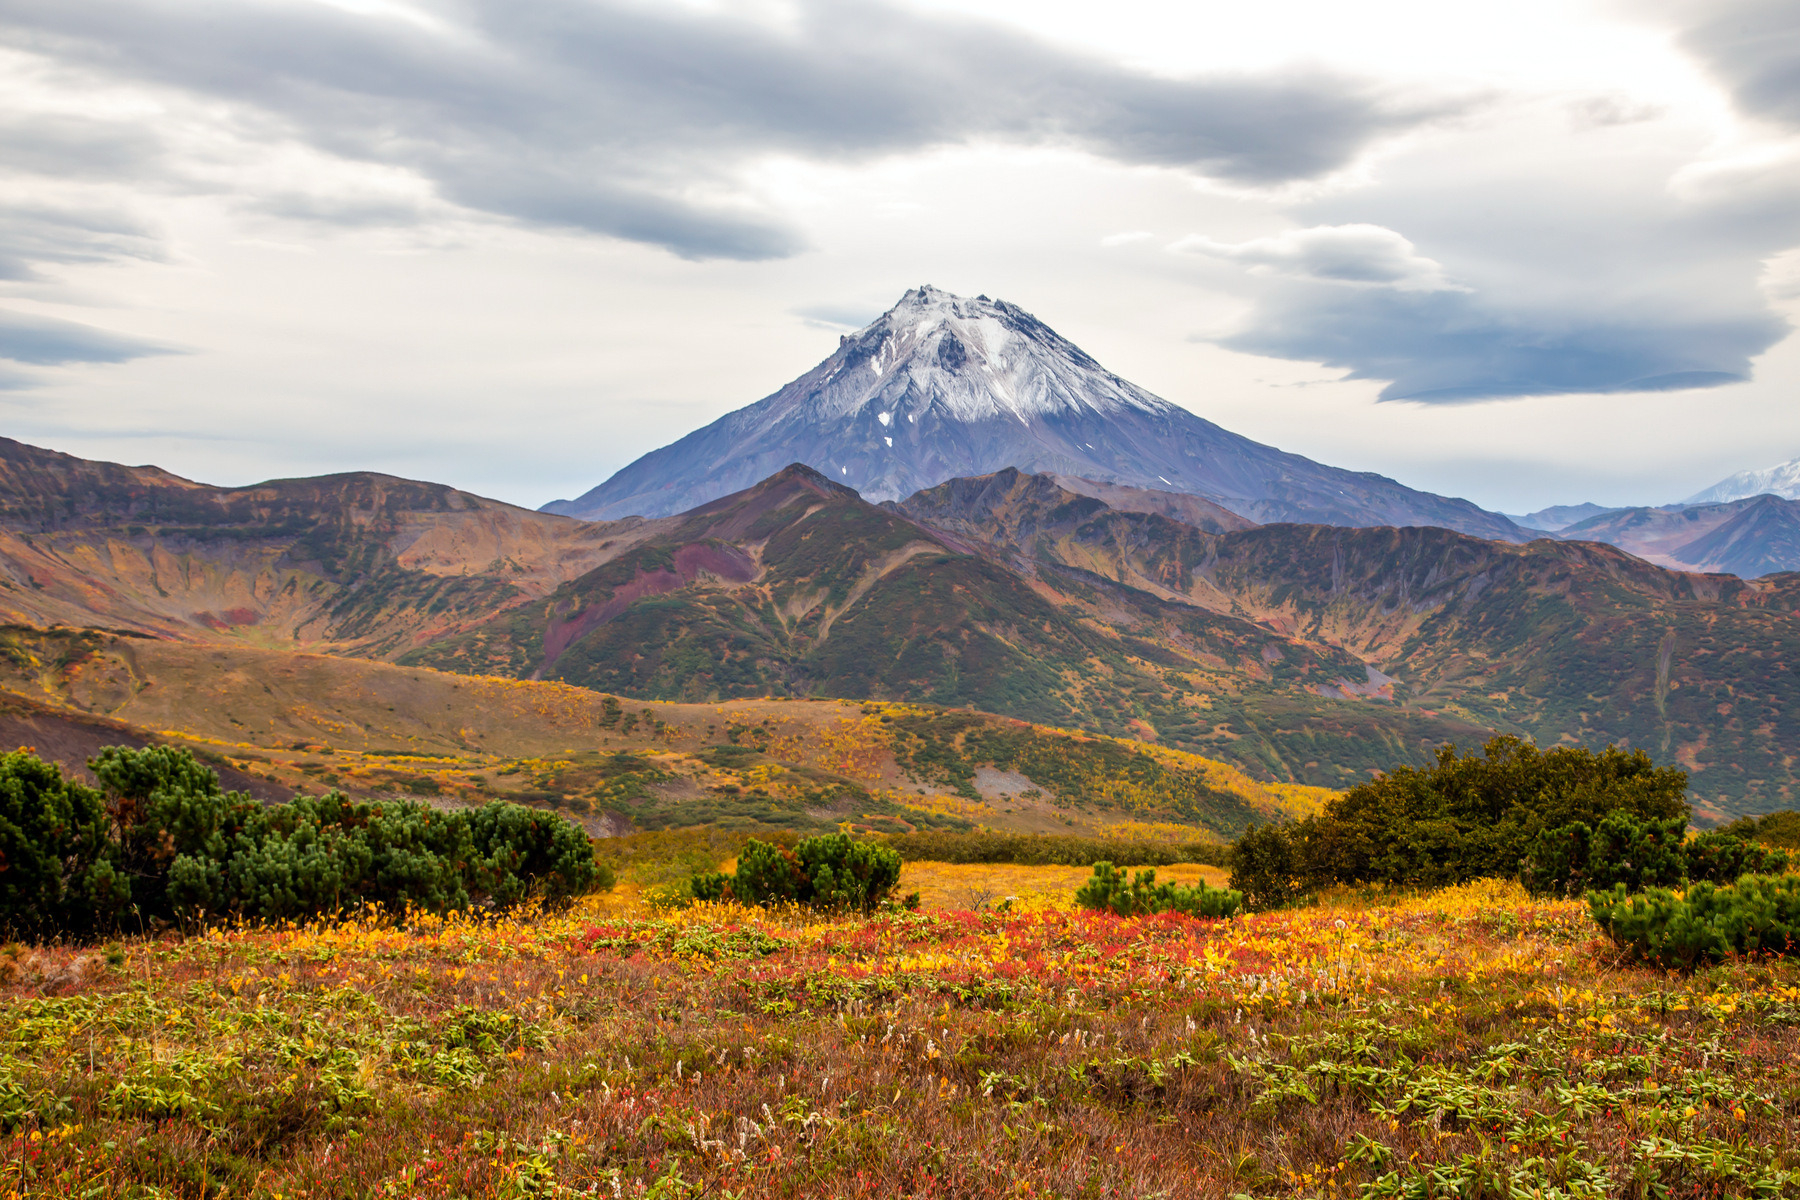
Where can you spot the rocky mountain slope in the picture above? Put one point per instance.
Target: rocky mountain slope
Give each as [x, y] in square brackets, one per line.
[358, 563]
[942, 386]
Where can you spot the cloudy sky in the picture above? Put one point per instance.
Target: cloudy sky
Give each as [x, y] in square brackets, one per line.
[1531, 252]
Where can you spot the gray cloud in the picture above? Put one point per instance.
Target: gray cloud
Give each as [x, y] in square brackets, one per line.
[1451, 347]
[47, 341]
[1350, 254]
[637, 122]
[35, 233]
[1581, 272]
[1753, 47]
[69, 146]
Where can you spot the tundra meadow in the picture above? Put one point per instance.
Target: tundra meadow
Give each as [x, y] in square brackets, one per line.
[1472, 1042]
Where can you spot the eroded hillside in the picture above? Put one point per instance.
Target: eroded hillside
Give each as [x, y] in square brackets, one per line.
[361, 563]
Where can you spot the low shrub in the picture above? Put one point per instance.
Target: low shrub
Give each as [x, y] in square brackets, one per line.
[1108, 891]
[1038, 849]
[1573, 859]
[1781, 829]
[1465, 817]
[164, 843]
[1268, 866]
[1623, 852]
[1720, 857]
[58, 867]
[1758, 913]
[834, 872]
[1470, 816]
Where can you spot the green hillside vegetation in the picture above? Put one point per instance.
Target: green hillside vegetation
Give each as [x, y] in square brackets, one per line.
[1569, 643]
[847, 599]
[278, 722]
[1300, 653]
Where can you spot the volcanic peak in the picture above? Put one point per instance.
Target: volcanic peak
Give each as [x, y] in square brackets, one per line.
[969, 359]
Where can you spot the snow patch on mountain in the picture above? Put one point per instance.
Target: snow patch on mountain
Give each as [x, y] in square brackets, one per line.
[1781, 480]
[935, 353]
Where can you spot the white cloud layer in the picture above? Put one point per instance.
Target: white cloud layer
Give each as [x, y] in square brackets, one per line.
[1362, 255]
[514, 245]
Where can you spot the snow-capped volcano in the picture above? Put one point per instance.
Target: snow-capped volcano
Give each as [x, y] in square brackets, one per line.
[969, 360]
[942, 386]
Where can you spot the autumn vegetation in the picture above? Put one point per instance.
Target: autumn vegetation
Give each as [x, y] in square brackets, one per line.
[803, 1033]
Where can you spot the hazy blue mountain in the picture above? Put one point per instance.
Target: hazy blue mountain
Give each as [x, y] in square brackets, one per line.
[1558, 516]
[1748, 538]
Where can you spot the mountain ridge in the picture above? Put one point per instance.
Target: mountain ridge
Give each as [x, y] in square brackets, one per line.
[1301, 653]
[1562, 640]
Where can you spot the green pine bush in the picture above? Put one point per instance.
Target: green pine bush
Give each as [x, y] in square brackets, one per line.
[1623, 852]
[1721, 857]
[1464, 817]
[1573, 859]
[1268, 867]
[163, 843]
[1469, 816]
[834, 872]
[59, 871]
[1758, 913]
[1108, 891]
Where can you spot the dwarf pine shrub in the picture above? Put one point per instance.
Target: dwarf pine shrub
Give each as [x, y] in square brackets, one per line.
[1268, 865]
[1624, 852]
[1108, 891]
[1721, 857]
[835, 872]
[1464, 817]
[163, 842]
[58, 869]
[1706, 923]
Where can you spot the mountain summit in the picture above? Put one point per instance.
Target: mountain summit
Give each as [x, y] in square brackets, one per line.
[942, 386]
[1782, 480]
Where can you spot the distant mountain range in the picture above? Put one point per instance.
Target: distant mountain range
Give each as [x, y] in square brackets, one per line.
[1749, 536]
[1559, 516]
[942, 386]
[1301, 653]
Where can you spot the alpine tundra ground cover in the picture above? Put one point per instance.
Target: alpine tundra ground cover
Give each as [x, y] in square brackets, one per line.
[1471, 1043]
